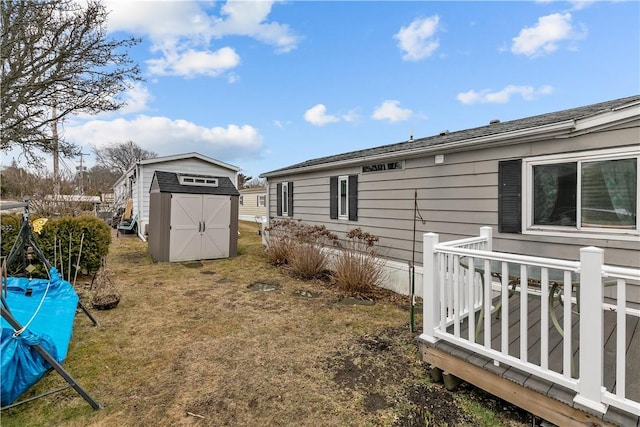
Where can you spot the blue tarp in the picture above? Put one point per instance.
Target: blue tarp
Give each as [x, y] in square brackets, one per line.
[51, 327]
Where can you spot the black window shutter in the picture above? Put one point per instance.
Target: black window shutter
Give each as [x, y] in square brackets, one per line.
[333, 197]
[290, 196]
[353, 197]
[279, 199]
[509, 196]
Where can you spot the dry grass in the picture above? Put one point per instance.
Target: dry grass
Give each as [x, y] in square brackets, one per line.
[190, 345]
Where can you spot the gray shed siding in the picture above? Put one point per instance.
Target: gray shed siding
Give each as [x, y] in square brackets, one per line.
[455, 198]
[160, 208]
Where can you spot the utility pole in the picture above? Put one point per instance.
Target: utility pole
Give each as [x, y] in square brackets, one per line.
[54, 150]
[81, 170]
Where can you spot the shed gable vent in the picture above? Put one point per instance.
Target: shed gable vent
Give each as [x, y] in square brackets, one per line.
[198, 180]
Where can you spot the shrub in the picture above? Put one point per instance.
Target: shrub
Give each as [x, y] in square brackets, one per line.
[299, 247]
[279, 241]
[307, 260]
[60, 241]
[357, 268]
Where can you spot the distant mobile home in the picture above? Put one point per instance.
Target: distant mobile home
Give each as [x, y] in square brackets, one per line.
[135, 183]
[548, 185]
[253, 204]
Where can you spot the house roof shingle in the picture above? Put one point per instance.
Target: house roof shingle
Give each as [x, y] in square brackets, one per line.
[169, 182]
[447, 138]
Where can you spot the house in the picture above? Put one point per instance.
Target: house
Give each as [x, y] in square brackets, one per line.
[253, 204]
[134, 184]
[548, 184]
[541, 307]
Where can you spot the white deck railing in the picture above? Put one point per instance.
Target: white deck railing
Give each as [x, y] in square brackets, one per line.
[455, 274]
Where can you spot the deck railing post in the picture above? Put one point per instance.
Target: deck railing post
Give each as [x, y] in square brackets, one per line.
[430, 287]
[590, 384]
[487, 233]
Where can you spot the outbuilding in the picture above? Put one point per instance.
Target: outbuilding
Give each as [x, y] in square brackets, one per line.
[192, 217]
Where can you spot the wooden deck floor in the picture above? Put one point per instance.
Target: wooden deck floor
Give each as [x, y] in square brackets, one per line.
[553, 392]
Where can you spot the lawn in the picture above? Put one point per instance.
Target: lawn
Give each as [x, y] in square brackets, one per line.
[236, 342]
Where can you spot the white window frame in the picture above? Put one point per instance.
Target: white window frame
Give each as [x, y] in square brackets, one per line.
[285, 198]
[261, 201]
[576, 230]
[198, 180]
[344, 178]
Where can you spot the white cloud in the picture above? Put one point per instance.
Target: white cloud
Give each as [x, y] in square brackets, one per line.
[248, 18]
[390, 110]
[182, 32]
[575, 4]
[417, 40]
[486, 96]
[137, 98]
[351, 116]
[317, 115]
[191, 63]
[546, 35]
[166, 136]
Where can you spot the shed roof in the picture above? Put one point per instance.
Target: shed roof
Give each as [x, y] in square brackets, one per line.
[169, 182]
[556, 121]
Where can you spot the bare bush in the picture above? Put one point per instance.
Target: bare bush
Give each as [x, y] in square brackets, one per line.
[357, 268]
[307, 261]
[279, 241]
[299, 246]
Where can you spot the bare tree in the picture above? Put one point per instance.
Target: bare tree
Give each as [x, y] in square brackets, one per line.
[119, 157]
[100, 180]
[254, 183]
[57, 61]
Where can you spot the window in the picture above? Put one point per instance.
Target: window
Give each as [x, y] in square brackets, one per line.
[343, 193]
[597, 192]
[285, 199]
[198, 180]
[262, 201]
[241, 200]
[284, 202]
[343, 197]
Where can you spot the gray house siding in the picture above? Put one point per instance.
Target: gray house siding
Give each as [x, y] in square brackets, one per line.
[455, 198]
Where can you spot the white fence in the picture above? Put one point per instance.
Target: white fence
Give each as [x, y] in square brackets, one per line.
[465, 279]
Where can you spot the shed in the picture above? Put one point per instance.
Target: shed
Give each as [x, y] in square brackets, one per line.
[192, 217]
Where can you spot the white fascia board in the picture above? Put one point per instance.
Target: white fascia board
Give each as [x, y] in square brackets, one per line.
[611, 118]
[505, 138]
[187, 156]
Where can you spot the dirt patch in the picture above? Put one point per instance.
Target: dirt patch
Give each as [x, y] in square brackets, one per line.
[193, 264]
[356, 301]
[265, 286]
[375, 367]
[305, 294]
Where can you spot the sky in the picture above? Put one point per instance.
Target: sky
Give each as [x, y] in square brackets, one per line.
[266, 84]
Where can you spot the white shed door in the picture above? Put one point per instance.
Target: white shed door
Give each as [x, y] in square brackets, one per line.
[199, 227]
[217, 219]
[185, 237]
